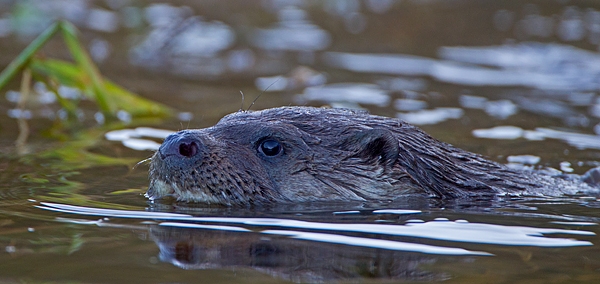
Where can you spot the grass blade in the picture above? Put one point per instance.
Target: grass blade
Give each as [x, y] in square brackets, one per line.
[25, 56]
[86, 64]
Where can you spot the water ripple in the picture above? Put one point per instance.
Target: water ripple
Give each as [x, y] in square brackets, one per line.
[439, 229]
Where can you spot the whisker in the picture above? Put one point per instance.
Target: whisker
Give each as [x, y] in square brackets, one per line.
[144, 161]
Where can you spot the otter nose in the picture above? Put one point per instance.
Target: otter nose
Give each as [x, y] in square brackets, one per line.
[179, 145]
[188, 149]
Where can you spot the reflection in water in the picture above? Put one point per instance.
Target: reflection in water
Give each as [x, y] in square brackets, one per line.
[396, 64]
[535, 65]
[299, 78]
[578, 140]
[455, 231]
[465, 48]
[292, 250]
[131, 138]
[432, 116]
[500, 132]
[500, 109]
[553, 108]
[285, 258]
[184, 42]
[340, 239]
[292, 32]
[409, 104]
[348, 92]
[102, 20]
[188, 45]
[524, 159]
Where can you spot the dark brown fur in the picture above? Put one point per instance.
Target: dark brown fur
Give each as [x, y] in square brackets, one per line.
[328, 154]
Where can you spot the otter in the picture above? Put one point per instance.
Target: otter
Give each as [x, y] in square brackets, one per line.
[303, 154]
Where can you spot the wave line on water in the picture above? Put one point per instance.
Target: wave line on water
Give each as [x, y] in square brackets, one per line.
[440, 229]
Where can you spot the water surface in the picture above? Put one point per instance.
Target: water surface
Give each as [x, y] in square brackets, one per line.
[515, 81]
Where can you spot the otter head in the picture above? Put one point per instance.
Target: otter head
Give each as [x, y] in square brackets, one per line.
[289, 154]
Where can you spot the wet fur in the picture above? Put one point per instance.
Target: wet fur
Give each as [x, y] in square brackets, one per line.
[330, 154]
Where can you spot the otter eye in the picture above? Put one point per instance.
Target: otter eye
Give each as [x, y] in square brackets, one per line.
[270, 148]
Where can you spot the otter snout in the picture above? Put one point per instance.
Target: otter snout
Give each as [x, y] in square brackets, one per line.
[174, 161]
[196, 166]
[180, 145]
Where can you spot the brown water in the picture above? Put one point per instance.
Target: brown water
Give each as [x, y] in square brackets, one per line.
[455, 68]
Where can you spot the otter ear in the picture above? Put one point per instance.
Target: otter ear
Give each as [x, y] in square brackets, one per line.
[375, 145]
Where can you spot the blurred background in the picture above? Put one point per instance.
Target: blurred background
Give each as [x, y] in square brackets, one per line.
[452, 67]
[517, 81]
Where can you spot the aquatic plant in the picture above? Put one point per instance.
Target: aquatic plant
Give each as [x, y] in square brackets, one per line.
[82, 74]
[74, 140]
